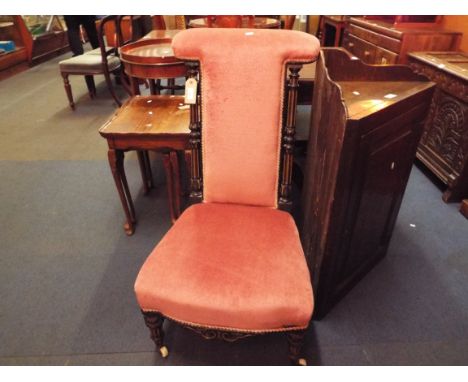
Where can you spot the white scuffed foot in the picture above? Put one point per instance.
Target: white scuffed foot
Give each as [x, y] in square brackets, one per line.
[302, 362]
[164, 352]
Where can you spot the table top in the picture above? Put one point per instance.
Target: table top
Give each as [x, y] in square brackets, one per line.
[148, 115]
[161, 33]
[259, 23]
[455, 63]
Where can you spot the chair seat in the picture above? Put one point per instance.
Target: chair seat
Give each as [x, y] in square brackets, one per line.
[97, 51]
[229, 266]
[87, 63]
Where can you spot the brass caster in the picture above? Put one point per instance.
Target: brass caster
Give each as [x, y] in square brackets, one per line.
[164, 352]
[302, 362]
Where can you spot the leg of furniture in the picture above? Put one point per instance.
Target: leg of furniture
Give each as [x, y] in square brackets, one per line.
[111, 88]
[66, 84]
[187, 156]
[116, 158]
[142, 162]
[149, 173]
[176, 182]
[170, 184]
[154, 321]
[171, 84]
[155, 86]
[464, 208]
[91, 86]
[296, 343]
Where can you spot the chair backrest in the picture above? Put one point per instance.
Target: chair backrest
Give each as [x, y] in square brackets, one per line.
[106, 49]
[243, 77]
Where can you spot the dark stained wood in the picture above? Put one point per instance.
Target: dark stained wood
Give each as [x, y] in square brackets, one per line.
[444, 145]
[381, 42]
[288, 133]
[464, 208]
[364, 130]
[196, 180]
[331, 30]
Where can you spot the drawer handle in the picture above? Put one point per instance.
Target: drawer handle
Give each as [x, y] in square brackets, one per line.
[366, 53]
[350, 44]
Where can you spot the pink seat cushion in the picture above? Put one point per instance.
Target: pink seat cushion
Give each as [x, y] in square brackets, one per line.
[243, 77]
[229, 266]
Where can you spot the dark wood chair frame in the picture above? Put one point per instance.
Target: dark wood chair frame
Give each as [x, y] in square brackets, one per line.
[154, 320]
[89, 75]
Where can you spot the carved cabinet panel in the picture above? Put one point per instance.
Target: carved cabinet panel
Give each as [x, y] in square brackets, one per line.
[444, 144]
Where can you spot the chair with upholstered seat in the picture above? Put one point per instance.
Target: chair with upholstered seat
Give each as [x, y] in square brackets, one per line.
[103, 60]
[233, 266]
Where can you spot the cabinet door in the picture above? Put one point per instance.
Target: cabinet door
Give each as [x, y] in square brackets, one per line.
[382, 171]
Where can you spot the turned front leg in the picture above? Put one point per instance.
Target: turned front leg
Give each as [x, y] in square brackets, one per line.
[66, 84]
[296, 345]
[154, 321]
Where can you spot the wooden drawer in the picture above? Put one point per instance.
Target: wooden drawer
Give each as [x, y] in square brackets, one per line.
[380, 40]
[360, 48]
[385, 57]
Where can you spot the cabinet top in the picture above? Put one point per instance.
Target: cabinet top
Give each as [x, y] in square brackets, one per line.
[398, 31]
[455, 63]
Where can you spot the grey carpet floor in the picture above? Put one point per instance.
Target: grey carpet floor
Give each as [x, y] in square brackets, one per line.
[67, 269]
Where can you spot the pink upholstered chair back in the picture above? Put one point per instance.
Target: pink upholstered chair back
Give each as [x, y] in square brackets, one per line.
[243, 75]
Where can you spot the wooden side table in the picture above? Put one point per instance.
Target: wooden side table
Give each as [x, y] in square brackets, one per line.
[156, 122]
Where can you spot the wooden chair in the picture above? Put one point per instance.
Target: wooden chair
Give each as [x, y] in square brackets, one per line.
[233, 266]
[103, 61]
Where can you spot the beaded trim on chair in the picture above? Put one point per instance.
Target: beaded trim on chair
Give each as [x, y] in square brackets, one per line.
[246, 332]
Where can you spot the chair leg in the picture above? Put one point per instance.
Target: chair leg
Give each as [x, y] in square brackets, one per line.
[171, 84]
[154, 321]
[91, 86]
[296, 343]
[66, 84]
[111, 88]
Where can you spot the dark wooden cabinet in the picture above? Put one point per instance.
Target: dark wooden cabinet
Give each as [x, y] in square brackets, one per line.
[384, 42]
[365, 127]
[444, 144]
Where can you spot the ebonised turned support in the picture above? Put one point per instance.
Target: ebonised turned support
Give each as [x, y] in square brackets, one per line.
[289, 131]
[195, 139]
[154, 321]
[295, 345]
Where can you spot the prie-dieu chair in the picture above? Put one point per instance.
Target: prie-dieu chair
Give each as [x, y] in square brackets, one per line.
[233, 266]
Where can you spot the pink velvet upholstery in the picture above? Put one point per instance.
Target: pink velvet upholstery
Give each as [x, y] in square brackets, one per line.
[235, 261]
[229, 266]
[243, 72]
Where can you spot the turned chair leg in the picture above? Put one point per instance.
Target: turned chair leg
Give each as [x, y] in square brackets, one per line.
[154, 321]
[111, 88]
[66, 84]
[296, 343]
[91, 86]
